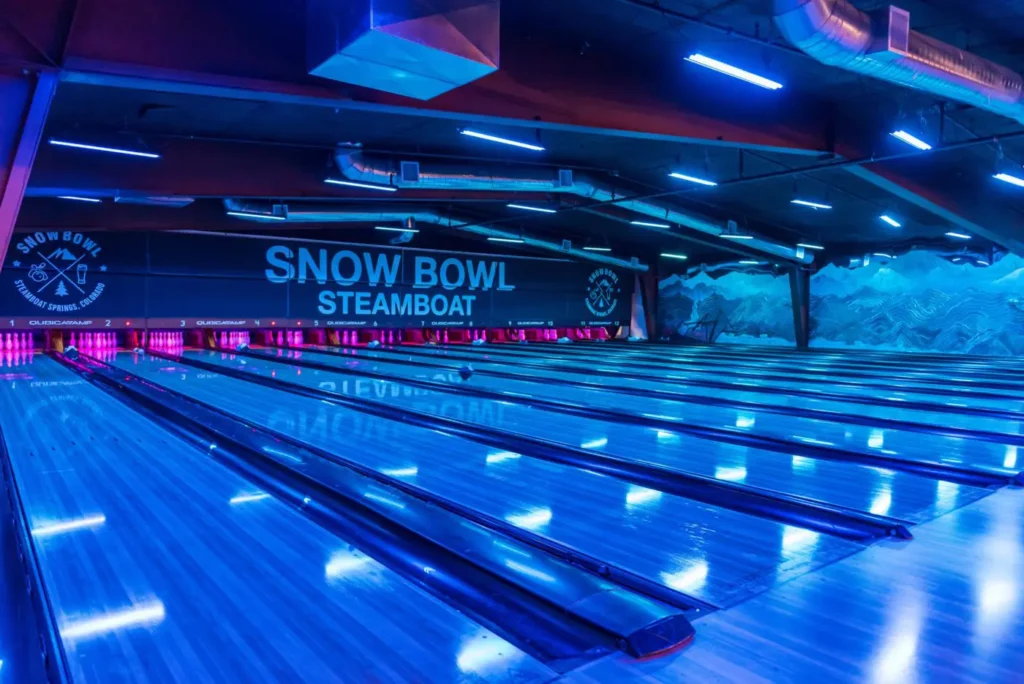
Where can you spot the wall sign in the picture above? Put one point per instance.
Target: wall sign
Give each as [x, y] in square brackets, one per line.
[119, 279]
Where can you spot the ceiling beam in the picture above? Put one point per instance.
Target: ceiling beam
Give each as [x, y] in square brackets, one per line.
[221, 49]
[943, 206]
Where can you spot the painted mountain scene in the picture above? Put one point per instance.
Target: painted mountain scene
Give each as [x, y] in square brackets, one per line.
[745, 308]
[921, 302]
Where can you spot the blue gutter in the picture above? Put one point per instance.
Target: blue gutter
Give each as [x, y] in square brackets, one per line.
[786, 508]
[945, 385]
[812, 413]
[976, 476]
[793, 392]
[569, 614]
[54, 659]
[991, 413]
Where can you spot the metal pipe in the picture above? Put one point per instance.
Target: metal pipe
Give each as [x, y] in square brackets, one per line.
[882, 46]
[327, 214]
[358, 168]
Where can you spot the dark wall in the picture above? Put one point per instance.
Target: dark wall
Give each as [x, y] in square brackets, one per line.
[192, 276]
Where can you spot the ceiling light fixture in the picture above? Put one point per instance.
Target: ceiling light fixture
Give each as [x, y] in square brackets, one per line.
[1011, 179]
[396, 230]
[812, 205]
[959, 236]
[670, 255]
[503, 141]
[735, 236]
[911, 140]
[693, 179]
[529, 208]
[598, 249]
[76, 198]
[367, 186]
[750, 262]
[649, 224]
[513, 240]
[735, 72]
[883, 255]
[251, 215]
[99, 148]
[807, 245]
[890, 220]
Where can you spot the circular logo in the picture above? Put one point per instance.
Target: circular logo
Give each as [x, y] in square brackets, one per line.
[62, 272]
[603, 292]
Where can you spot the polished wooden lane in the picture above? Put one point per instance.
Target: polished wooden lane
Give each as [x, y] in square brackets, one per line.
[947, 608]
[761, 393]
[798, 431]
[867, 489]
[163, 565]
[717, 555]
[752, 379]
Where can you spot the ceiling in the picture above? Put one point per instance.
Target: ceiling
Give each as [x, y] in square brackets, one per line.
[611, 98]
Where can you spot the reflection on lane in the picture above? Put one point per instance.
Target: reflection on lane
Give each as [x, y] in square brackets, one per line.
[573, 506]
[159, 561]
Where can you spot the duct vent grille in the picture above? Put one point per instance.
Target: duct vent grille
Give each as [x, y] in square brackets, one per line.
[565, 178]
[410, 172]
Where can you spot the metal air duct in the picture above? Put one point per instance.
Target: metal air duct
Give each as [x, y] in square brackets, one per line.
[357, 168]
[882, 46]
[325, 214]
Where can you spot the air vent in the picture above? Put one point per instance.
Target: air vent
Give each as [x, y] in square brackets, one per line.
[565, 178]
[410, 172]
[418, 49]
[890, 33]
[899, 30]
[566, 245]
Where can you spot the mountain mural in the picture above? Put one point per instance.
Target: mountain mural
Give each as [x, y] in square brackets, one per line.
[748, 308]
[921, 302]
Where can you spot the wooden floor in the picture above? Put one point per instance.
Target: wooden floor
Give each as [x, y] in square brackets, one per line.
[948, 607]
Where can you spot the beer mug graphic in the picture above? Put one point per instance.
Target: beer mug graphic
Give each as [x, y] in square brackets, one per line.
[81, 271]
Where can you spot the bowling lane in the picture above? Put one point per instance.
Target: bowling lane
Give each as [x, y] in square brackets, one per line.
[861, 488]
[801, 366]
[716, 555]
[890, 391]
[857, 438]
[163, 565]
[854, 357]
[948, 378]
[542, 374]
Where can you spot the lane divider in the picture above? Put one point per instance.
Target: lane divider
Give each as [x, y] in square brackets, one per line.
[51, 646]
[894, 403]
[554, 605]
[978, 476]
[798, 412]
[785, 508]
[939, 389]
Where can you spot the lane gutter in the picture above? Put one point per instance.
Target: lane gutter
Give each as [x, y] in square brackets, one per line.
[785, 508]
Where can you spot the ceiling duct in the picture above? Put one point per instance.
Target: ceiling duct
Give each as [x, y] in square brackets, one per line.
[408, 47]
[358, 168]
[326, 214]
[881, 45]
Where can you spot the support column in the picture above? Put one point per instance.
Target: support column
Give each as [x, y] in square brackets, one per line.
[24, 103]
[800, 293]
